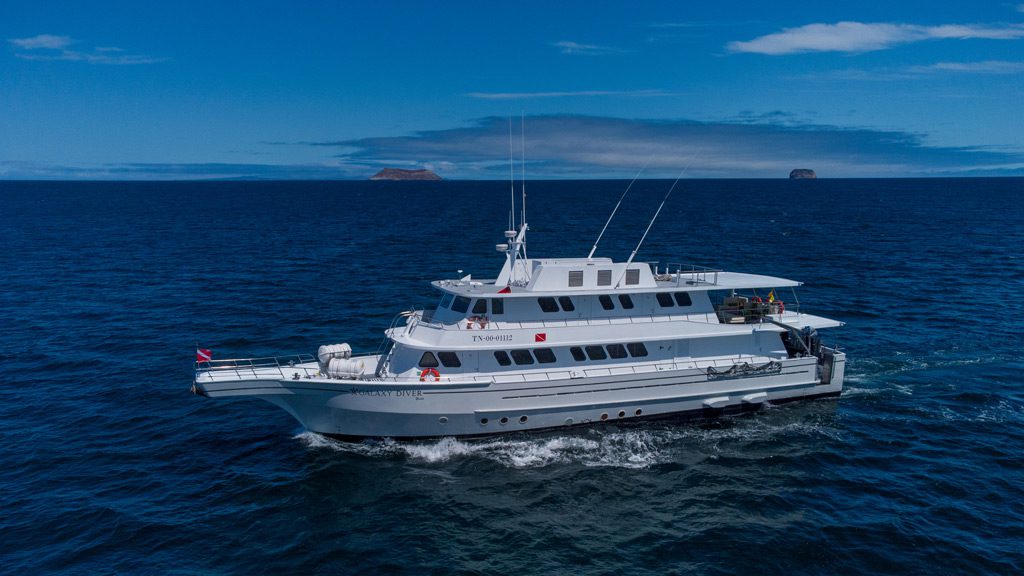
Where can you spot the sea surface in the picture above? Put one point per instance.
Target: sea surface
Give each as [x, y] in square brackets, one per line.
[109, 465]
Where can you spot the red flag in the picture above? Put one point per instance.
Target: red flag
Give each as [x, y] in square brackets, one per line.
[540, 337]
[203, 355]
[505, 290]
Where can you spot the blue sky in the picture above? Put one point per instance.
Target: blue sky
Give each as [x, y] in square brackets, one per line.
[141, 90]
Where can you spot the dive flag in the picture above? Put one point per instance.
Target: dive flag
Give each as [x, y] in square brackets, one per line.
[505, 290]
[203, 355]
[771, 296]
[540, 337]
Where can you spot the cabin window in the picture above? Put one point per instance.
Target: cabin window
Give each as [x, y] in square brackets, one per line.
[626, 301]
[683, 299]
[566, 303]
[632, 276]
[637, 349]
[596, 353]
[616, 350]
[544, 355]
[606, 302]
[480, 307]
[502, 358]
[497, 306]
[428, 360]
[522, 357]
[449, 359]
[577, 354]
[604, 277]
[547, 304]
[461, 304]
[575, 278]
[446, 300]
[665, 299]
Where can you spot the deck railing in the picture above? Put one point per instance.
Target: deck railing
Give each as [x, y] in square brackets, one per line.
[245, 367]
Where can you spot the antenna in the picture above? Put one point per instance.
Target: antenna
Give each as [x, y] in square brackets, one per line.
[522, 127]
[616, 209]
[511, 178]
[642, 238]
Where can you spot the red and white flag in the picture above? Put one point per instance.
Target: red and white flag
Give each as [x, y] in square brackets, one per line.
[505, 290]
[203, 355]
[540, 337]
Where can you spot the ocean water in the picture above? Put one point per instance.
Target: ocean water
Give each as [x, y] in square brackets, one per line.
[109, 465]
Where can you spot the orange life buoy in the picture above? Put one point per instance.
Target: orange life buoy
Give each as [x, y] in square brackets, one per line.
[432, 372]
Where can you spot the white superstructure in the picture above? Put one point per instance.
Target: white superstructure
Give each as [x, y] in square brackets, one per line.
[556, 342]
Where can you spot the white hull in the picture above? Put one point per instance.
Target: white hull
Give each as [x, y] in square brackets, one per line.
[408, 408]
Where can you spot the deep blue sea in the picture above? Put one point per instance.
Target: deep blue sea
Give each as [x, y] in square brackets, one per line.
[109, 465]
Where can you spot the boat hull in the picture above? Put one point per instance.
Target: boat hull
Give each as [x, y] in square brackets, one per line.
[396, 409]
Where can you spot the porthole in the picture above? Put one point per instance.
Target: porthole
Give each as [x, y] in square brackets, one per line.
[522, 419]
[443, 419]
[604, 416]
[568, 421]
[504, 420]
[483, 421]
[622, 413]
[639, 411]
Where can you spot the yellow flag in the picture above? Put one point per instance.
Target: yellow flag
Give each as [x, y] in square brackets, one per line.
[771, 295]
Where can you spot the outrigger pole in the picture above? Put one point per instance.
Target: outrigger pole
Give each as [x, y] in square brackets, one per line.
[616, 209]
[642, 238]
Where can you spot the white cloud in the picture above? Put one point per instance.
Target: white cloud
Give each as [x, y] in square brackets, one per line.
[45, 41]
[569, 47]
[984, 67]
[865, 37]
[568, 94]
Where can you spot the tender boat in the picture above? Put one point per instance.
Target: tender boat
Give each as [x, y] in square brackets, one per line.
[555, 342]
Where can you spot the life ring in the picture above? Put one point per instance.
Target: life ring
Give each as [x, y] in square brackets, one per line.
[432, 372]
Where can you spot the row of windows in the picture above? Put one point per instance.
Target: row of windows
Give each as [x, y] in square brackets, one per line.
[460, 304]
[681, 299]
[604, 277]
[523, 357]
[665, 299]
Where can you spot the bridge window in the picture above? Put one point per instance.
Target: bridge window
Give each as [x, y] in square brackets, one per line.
[575, 278]
[683, 299]
[626, 301]
[604, 277]
[446, 300]
[547, 304]
[449, 359]
[461, 304]
[665, 299]
[606, 302]
[616, 350]
[502, 358]
[428, 360]
[522, 357]
[632, 276]
[497, 306]
[596, 353]
[566, 303]
[544, 355]
[480, 307]
[637, 349]
[577, 354]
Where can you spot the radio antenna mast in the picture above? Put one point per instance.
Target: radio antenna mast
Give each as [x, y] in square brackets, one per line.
[642, 238]
[511, 178]
[522, 127]
[616, 209]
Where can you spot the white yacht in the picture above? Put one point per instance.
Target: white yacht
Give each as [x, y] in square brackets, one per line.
[554, 342]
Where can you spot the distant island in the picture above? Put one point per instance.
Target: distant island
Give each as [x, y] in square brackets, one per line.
[400, 174]
[802, 174]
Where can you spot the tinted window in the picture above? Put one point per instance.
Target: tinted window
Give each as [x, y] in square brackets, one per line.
[566, 303]
[577, 354]
[596, 353]
[604, 277]
[606, 302]
[446, 300]
[480, 307]
[665, 299]
[633, 276]
[502, 358]
[683, 299]
[616, 350]
[461, 304]
[522, 357]
[497, 306]
[449, 359]
[626, 301]
[637, 349]
[544, 355]
[428, 360]
[547, 304]
[575, 278]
